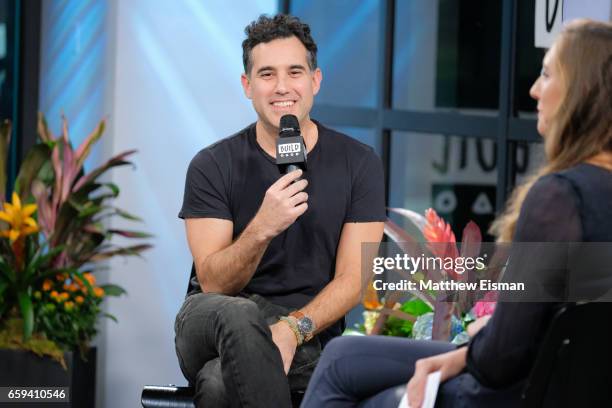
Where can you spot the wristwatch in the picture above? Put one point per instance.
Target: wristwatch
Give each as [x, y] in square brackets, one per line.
[305, 325]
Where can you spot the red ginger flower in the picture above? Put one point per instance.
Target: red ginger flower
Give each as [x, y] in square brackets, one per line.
[437, 231]
[440, 237]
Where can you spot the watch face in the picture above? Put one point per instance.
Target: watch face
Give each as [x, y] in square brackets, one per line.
[306, 325]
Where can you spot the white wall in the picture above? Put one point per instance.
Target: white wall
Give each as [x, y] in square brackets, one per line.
[170, 75]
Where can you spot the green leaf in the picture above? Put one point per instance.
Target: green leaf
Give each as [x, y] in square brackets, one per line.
[113, 290]
[94, 174]
[83, 150]
[35, 159]
[110, 316]
[127, 251]
[114, 190]
[89, 210]
[416, 307]
[130, 234]
[126, 215]
[27, 312]
[43, 129]
[41, 259]
[5, 139]
[7, 271]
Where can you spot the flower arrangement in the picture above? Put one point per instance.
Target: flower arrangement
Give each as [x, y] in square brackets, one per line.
[428, 315]
[53, 235]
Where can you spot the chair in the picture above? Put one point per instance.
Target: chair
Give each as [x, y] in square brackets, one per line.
[573, 365]
[168, 396]
[172, 396]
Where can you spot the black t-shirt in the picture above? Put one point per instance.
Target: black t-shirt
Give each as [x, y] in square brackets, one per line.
[228, 180]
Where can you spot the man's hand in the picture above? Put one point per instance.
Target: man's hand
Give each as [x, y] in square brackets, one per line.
[285, 340]
[283, 203]
[450, 364]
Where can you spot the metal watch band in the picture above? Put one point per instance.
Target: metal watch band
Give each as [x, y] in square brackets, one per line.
[304, 324]
[293, 325]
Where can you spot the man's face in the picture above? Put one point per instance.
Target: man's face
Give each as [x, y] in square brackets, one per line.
[280, 81]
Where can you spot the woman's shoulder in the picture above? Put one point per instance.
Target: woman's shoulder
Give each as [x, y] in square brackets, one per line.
[550, 212]
[550, 188]
[580, 181]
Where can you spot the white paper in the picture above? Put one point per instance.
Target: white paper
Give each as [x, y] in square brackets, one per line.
[431, 391]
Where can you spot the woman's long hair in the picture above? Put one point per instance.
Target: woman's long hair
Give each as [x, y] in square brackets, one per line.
[582, 125]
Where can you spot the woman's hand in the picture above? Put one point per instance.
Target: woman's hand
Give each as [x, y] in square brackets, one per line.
[449, 364]
[477, 324]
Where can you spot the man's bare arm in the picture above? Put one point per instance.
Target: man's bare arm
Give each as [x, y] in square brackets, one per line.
[344, 291]
[223, 266]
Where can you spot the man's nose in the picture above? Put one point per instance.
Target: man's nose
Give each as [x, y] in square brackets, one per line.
[281, 85]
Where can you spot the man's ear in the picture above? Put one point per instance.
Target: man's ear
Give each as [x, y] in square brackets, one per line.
[317, 77]
[246, 85]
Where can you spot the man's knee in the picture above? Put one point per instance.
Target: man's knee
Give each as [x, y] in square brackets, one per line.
[240, 313]
[211, 312]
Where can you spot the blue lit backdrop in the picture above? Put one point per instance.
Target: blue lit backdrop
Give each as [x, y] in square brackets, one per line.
[167, 76]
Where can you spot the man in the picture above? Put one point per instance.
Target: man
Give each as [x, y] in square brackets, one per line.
[262, 242]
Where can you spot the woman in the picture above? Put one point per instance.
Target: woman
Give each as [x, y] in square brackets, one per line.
[568, 200]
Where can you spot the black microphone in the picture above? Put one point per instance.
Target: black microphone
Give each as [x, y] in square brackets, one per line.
[290, 148]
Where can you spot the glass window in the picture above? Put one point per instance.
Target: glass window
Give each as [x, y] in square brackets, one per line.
[528, 158]
[454, 175]
[7, 56]
[346, 33]
[364, 135]
[447, 55]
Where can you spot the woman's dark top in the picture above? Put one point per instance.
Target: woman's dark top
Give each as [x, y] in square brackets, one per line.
[574, 205]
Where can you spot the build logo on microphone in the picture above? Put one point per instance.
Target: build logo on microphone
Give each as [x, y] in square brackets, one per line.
[289, 149]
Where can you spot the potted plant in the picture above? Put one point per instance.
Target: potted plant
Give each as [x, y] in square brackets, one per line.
[429, 314]
[54, 234]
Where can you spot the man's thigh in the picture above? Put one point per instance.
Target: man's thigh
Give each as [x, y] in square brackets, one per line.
[202, 322]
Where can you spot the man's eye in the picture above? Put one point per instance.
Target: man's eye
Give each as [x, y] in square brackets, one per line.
[266, 74]
[544, 73]
[295, 73]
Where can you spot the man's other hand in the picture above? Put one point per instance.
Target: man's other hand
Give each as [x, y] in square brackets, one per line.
[285, 340]
[283, 203]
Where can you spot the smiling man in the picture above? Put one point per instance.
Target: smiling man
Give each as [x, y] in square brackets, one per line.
[277, 258]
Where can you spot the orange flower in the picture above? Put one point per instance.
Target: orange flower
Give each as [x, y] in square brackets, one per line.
[54, 294]
[79, 299]
[90, 278]
[63, 296]
[73, 287]
[60, 277]
[98, 291]
[66, 286]
[370, 298]
[69, 305]
[47, 285]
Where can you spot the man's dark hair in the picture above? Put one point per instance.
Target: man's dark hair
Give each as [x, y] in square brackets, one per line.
[266, 29]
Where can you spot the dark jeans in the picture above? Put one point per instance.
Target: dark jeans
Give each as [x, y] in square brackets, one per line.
[225, 349]
[372, 372]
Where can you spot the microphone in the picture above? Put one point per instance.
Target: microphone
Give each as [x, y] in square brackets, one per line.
[290, 148]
